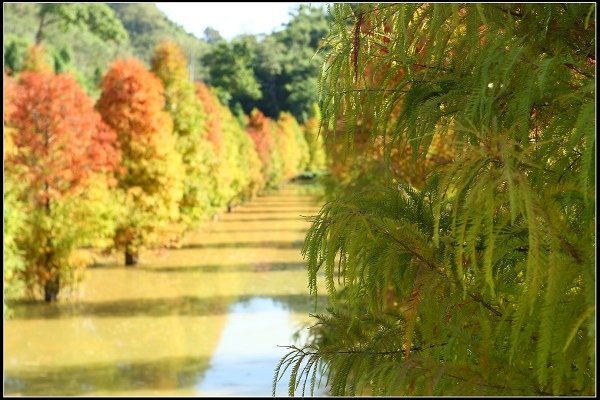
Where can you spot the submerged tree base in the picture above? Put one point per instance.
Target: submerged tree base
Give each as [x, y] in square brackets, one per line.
[51, 289]
[131, 258]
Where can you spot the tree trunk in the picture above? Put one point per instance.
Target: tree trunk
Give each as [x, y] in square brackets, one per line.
[40, 35]
[51, 289]
[131, 257]
[274, 97]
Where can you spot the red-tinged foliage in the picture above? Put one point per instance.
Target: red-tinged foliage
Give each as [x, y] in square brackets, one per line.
[377, 70]
[237, 172]
[265, 133]
[132, 103]
[103, 152]
[61, 139]
[259, 129]
[211, 108]
[61, 152]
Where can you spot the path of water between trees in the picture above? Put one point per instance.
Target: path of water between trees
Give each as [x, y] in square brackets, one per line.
[202, 320]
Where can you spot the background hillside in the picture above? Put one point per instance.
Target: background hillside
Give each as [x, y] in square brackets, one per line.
[274, 73]
[85, 54]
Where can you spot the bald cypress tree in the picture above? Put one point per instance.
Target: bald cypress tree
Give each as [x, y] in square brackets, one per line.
[150, 181]
[481, 279]
[59, 157]
[187, 113]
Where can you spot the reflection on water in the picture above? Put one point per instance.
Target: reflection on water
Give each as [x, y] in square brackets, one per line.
[121, 376]
[242, 364]
[202, 320]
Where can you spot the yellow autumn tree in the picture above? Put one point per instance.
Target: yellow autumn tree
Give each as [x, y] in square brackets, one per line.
[151, 180]
[187, 113]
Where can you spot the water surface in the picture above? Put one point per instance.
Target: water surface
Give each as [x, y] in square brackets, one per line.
[202, 320]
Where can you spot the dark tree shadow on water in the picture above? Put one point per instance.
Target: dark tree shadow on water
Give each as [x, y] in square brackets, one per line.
[160, 307]
[266, 221]
[208, 268]
[239, 245]
[257, 231]
[277, 211]
[162, 374]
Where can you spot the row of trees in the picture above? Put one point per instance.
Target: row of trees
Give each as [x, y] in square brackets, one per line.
[459, 251]
[152, 158]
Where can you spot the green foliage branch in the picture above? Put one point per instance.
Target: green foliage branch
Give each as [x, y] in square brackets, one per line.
[483, 281]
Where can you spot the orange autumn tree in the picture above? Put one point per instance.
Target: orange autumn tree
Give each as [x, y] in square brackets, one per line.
[260, 129]
[62, 151]
[150, 185]
[212, 125]
[376, 75]
[242, 158]
[198, 155]
[221, 174]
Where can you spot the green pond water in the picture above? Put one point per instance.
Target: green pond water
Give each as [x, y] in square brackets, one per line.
[202, 320]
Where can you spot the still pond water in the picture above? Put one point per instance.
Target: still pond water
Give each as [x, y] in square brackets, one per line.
[202, 320]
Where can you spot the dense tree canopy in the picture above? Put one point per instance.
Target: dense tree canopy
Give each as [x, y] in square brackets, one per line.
[151, 182]
[276, 72]
[98, 18]
[458, 240]
[62, 149]
[261, 130]
[169, 64]
[303, 37]
[292, 145]
[91, 50]
[237, 172]
[36, 59]
[12, 256]
[185, 155]
[220, 172]
[14, 53]
[13, 216]
[478, 278]
[231, 72]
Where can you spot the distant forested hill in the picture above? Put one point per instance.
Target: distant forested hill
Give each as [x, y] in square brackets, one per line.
[85, 54]
[273, 72]
[147, 26]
